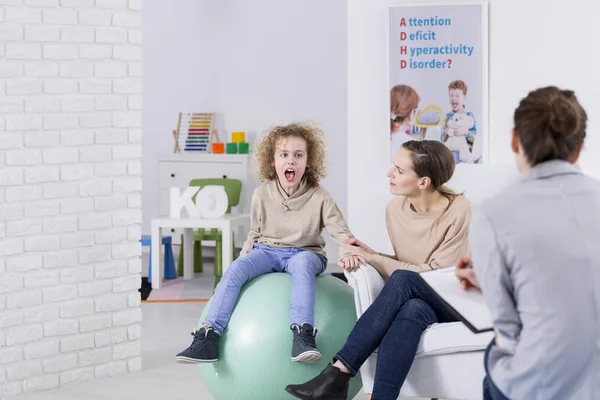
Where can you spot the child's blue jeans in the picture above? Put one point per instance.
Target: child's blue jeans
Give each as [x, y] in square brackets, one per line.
[302, 265]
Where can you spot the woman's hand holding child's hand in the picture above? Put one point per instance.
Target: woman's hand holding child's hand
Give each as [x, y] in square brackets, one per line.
[355, 242]
[351, 263]
[354, 253]
[349, 250]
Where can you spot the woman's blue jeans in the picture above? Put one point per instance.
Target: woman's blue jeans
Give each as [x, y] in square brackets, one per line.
[394, 324]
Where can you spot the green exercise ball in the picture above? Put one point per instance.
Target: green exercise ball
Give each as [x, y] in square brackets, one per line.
[256, 348]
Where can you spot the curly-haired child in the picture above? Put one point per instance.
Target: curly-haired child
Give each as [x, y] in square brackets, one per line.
[288, 213]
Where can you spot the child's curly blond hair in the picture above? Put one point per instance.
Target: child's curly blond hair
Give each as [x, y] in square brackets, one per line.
[317, 153]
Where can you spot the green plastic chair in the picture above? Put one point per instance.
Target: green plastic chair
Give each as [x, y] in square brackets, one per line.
[233, 188]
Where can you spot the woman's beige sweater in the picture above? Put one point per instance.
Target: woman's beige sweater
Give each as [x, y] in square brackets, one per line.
[424, 240]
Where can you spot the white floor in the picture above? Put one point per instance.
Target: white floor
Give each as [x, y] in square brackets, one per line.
[165, 326]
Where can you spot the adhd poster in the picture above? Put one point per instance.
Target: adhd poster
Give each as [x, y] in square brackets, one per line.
[438, 77]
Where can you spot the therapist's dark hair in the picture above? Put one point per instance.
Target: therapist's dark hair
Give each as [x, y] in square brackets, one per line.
[550, 124]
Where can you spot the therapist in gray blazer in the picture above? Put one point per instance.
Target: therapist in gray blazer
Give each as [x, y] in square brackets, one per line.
[536, 256]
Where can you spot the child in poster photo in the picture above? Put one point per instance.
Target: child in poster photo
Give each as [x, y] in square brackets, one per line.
[404, 103]
[460, 128]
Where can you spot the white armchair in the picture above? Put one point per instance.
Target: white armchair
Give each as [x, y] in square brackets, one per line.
[449, 360]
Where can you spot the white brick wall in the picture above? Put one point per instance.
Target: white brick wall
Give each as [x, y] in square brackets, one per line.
[70, 151]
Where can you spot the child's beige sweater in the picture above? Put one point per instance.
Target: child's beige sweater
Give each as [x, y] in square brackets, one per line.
[424, 240]
[279, 220]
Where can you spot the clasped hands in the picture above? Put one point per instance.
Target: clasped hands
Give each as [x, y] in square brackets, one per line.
[354, 253]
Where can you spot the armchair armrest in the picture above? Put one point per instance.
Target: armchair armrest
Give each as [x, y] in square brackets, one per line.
[367, 284]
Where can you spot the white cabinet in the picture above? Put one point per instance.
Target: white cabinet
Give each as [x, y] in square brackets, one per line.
[177, 170]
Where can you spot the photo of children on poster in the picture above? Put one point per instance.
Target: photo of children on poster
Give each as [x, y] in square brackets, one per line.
[437, 78]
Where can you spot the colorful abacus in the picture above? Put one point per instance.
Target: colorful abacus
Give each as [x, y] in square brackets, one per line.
[195, 132]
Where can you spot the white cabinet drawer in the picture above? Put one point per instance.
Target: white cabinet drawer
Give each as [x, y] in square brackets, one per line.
[179, 174]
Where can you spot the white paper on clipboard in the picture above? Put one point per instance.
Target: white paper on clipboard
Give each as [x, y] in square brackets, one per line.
[467, 305]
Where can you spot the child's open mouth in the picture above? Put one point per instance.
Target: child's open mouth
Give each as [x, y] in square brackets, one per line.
[290, 174]
[454, 104]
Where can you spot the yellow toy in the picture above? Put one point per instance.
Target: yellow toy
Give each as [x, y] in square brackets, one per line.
[429, 117]
[238, 137]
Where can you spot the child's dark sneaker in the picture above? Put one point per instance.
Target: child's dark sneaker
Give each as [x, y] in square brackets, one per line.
[204, 348]
[304, 348]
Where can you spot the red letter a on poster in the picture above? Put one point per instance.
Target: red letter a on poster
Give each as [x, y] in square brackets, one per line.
[402, 22]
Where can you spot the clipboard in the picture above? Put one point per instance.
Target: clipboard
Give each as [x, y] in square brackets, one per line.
[467, 306]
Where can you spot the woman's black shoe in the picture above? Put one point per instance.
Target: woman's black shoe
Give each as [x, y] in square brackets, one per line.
[330, 384]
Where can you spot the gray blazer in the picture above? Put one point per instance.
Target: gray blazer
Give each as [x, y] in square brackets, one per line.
[536, 253]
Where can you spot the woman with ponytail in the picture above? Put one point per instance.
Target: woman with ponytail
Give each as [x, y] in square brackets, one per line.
[428, 227]
[537, 261]
[427, 222]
